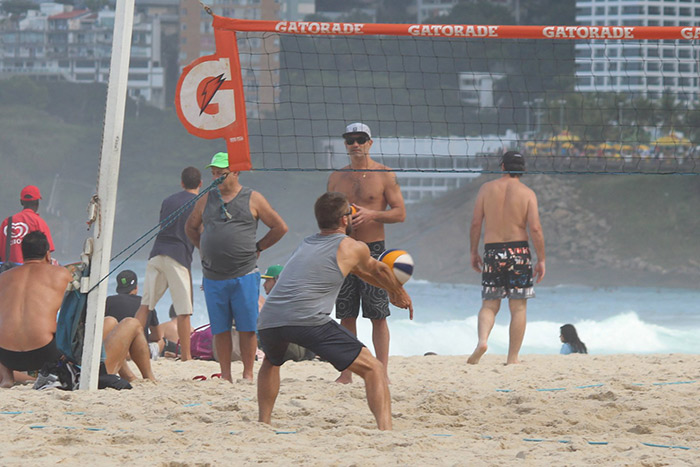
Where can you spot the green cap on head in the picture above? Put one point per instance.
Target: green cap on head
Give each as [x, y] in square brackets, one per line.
[272, 272]
[220, 160]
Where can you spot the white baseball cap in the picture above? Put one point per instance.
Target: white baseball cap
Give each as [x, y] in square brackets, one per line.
[357, 128]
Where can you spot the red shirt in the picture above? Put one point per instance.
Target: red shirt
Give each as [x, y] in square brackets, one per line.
[23, 222]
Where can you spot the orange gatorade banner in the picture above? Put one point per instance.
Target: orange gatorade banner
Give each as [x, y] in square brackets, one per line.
[210, 102]
[461, 30]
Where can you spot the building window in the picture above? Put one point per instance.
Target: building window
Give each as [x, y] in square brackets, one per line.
[632, 10]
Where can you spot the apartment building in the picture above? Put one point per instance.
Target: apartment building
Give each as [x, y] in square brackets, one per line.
[62, 43]
[644, 68]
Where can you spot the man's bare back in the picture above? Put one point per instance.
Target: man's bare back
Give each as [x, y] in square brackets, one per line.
[506, 203]
[30, 296]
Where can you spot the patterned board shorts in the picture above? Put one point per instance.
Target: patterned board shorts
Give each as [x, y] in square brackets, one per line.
[375, 301]
[507, 271]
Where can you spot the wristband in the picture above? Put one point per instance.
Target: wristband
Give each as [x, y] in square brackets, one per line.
[257, 247]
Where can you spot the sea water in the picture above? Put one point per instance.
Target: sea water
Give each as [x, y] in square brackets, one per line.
[608, 320]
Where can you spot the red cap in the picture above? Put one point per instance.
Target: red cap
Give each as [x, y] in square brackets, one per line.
[30, 193]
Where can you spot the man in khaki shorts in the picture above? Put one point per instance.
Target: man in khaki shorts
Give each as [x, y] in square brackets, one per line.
[171, 259]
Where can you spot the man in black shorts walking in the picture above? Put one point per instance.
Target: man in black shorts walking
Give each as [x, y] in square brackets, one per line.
[298, 308]
[508, 209]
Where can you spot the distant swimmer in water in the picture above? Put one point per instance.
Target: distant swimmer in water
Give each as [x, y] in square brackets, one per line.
[571, 342]
[508, 209]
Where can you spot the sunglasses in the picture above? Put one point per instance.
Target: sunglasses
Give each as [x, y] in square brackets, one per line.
[361, 139]
[351, 211]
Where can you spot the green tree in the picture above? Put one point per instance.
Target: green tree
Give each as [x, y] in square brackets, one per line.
[668, 113]
[23, 91]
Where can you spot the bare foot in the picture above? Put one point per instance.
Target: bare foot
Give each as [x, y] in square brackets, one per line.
[344, 378]
[477, 354]
[514, 362]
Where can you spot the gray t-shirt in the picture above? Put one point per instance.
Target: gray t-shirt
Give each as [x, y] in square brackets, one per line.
[305, 292]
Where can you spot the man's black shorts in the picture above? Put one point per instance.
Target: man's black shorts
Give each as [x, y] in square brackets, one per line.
[330, 341]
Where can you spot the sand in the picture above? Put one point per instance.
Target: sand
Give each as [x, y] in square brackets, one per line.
[551, 410]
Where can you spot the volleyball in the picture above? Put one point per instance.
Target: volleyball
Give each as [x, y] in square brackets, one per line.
[400, 262]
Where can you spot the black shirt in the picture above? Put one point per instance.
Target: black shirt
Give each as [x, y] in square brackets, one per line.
[123, 305]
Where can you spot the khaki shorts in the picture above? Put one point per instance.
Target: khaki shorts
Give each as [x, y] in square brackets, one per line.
[163, 272]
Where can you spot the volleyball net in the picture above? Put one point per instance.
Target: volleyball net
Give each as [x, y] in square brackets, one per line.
[452, 98]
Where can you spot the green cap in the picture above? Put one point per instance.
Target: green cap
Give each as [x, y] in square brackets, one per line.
[272, 272]
[220, 160]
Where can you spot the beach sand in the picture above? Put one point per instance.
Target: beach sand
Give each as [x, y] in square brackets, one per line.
[551, 410]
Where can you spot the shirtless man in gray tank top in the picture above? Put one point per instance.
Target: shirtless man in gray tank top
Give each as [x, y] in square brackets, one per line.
[298, 308]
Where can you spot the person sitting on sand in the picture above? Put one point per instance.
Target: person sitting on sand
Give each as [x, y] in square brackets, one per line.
[126, 338]
[170, 334]
[31, 295]
[126, 303]
[571, 342]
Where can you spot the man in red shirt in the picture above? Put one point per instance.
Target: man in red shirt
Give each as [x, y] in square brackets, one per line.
[25, 221]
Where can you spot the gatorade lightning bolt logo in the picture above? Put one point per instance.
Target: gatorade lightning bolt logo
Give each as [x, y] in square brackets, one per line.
[209, 99]
[210, 89]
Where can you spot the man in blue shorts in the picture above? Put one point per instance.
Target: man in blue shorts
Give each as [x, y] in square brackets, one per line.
[375, 193]
[223, 225]
[508, 209]
[298, 308]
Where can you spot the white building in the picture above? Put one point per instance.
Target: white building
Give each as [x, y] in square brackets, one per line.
[58, 42]
[476, 89]
[644, 68]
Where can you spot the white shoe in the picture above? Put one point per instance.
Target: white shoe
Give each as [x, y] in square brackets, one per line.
[155, 350]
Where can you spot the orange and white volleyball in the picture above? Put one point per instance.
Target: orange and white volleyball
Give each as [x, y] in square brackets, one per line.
[400, 262]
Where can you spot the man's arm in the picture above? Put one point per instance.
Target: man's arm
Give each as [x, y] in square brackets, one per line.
[475, 232]
[262, 209]
[194, 222]
[394, 199]
[533, 223]
[332, 181]
[355, 256]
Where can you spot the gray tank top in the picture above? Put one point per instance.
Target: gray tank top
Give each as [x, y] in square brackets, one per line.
[305, 292]
[227, 246]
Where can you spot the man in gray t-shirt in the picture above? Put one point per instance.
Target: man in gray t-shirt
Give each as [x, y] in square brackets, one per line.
[298, 308]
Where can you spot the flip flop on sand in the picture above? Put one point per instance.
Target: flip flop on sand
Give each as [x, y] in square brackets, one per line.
[200, 378]
[216, 375]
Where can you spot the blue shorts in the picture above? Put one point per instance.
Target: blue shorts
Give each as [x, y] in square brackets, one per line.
[232, 300]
